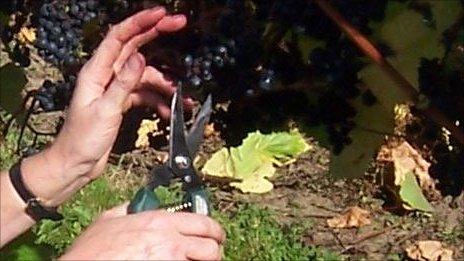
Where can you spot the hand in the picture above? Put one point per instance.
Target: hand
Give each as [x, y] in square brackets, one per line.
[152, 235]
[112, 81]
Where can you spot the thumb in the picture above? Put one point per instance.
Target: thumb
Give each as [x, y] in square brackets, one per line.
[115, 212]
[125, 80]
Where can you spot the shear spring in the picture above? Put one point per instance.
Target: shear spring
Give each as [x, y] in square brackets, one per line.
[179, 207]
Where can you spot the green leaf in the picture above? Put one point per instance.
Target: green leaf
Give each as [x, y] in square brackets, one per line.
[411, 194]
[24, 248]
[372, 123]
[306, 45]
[410, 38]
[252, 162]
[12, 81]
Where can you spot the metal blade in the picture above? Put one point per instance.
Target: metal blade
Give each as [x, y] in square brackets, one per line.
[160, 176]
[195, 135]
[178, 150]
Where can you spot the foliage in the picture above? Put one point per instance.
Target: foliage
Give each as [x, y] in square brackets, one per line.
[253, 161]
[254, 234]
[24, 248]
[411, 194]
[7, 153]
[12, 81]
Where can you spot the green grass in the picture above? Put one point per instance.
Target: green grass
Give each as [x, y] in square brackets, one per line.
[254, 234]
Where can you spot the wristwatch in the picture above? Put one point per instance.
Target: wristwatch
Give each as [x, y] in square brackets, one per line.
[33, 203]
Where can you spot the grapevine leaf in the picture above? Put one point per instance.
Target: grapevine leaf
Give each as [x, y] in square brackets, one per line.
[371, 125]
[411, 194]
[256, 183]
[306, 45]
[252, 162]
[405, 32]
[12, 81]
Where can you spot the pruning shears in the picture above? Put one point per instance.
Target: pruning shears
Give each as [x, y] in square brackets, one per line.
[182, 149]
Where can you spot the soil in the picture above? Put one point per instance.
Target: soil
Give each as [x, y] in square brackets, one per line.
[304, 191]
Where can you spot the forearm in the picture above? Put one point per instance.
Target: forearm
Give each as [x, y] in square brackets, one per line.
[49, 178]
[13, 219]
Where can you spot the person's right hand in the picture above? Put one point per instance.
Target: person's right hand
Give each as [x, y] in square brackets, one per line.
[151, 235]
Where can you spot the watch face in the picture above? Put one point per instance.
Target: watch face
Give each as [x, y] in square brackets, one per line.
[33, 202]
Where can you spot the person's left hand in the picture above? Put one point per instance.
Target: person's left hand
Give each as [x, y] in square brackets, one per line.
[112, 81]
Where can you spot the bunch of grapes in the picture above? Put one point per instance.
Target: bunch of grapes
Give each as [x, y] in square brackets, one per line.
[60, 29]
[55, 96]
[199, 67]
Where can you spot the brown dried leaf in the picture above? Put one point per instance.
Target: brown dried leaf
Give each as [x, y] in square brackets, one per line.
[354, 217]
[406, 159]
[429, 251]
[210, 131]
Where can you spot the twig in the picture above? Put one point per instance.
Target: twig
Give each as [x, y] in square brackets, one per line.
[339, 241]
[371, 51]
[317, 216]
[371, 235]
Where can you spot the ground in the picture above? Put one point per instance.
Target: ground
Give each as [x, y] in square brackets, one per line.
[304, 196]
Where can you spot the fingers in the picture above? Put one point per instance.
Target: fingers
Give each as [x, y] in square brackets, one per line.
[190, 224]
[202, 249]
[171, 23]
[155, 79]
[115, 212]
[101, 63]
[166, 24]
[151, 99]
[124, 82]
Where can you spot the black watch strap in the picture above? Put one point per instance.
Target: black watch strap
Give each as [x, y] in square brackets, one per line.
[33, 208]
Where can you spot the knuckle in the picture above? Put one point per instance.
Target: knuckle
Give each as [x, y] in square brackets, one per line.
[158, 219]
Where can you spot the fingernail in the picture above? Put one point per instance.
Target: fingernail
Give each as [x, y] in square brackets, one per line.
[134, 62]
[157, 8]
[178, 17]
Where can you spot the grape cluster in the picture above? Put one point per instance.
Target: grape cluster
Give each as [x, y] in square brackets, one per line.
[199, 68]
[60, 29]
[339, 66]
[55, 96]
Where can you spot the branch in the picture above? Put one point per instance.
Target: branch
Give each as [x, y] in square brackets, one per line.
[405, 86]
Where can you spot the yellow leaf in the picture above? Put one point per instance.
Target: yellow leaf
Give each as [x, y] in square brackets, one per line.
[253, 161]
[147, 127]
[256, 182]
[26, 35]
[219, 165]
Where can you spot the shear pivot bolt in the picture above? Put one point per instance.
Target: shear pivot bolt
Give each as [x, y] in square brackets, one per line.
[182, 162]
[188, 178]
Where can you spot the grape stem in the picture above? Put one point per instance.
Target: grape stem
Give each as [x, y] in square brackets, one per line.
[373, 53]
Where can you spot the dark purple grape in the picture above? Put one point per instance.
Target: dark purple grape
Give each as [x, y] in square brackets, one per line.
[42, 43]
[61, 41]
[45, 10]
[92, 5]
[70, 60]
[62, 53]
[195, 81]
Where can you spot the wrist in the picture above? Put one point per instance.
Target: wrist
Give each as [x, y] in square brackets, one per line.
[50, 177]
